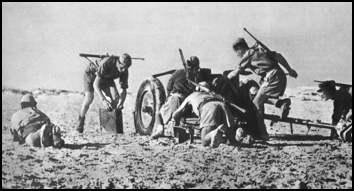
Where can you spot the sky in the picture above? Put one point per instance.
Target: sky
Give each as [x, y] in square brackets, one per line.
[41, 42]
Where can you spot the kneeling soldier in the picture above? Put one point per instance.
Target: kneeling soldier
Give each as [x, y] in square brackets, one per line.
[215, 117]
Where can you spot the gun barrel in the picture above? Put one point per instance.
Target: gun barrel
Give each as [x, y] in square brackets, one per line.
[90, 55]
[259, 42]
[163, 73]
[337, 84]
[138, 58]
[102, 56]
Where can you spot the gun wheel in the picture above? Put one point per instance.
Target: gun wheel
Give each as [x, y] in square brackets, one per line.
[151, 95]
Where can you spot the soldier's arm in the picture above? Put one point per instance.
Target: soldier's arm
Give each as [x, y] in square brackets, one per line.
[244, 63]
[349, 115]
[123, 80]
[123, 95]
[282, 61]
[180, 110]
[170, 83]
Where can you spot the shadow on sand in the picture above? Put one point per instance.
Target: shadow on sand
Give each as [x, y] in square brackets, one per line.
[91, 146]
[294, 140]
[288, 137]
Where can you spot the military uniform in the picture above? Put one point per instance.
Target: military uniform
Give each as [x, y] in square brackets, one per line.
[108, 71]
[26, 121]
[32, 126]
[178, 88]
[210, 109]
[342, 108]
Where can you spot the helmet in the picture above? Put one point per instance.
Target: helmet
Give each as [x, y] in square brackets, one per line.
[28, 98]
[329, 85]
[193, 62]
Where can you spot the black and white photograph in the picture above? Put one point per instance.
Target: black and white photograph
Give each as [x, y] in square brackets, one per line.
[177, 95]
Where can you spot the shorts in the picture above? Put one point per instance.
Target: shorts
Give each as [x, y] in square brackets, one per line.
[274, 83]
[89, 78]
[213, 114]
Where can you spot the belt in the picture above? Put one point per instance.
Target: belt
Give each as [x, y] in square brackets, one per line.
[206, 101]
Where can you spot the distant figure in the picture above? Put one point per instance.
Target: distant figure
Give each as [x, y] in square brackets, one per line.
[342, 108]
[178, 88]
[30, 125]
[273, 79]
[215, 119]
[101, 80]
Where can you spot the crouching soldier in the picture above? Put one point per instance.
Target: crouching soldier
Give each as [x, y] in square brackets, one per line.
[215, 117]
[101, 80]
[31, 126]
[342, 108]
[178, 88]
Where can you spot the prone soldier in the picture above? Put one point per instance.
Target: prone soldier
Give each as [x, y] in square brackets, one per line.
[31, 126]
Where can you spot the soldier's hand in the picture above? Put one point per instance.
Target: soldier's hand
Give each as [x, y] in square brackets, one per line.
[107, 104]
[120, 106]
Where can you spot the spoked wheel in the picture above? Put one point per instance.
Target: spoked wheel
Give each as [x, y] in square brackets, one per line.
[151, 95]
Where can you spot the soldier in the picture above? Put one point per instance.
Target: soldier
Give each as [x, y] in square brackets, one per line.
[178, 88]
[215, 117]
[342, 108]
[30, 125]
[273, 79]
[101, 80]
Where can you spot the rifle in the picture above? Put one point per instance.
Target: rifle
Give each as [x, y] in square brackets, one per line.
[183, 60]
[103, 56]
[243, 111]
[260, 43]
[337, 84]
[257, 41]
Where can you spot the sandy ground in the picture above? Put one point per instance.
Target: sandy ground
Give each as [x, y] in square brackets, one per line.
[99, 160]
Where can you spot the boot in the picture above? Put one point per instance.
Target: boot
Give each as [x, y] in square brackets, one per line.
[216, 136]
[80, 127]
[284, 107]
[159, 132]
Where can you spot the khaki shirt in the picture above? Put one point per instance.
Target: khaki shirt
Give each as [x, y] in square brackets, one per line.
[28, 120]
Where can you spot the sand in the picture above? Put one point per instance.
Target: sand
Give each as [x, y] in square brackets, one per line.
[99, 160]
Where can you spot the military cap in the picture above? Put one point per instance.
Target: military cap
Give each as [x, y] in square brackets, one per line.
[28, 98]
[193, 62]
[329, 85]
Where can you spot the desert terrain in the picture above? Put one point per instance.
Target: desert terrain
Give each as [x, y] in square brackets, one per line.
[99, 160]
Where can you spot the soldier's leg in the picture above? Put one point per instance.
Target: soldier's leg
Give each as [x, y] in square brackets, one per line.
[89, 95]
[86, 103]
[258, 102]
[206, 139]
[88, 79]
[283, 104]
[212, 135]
[33, 139]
